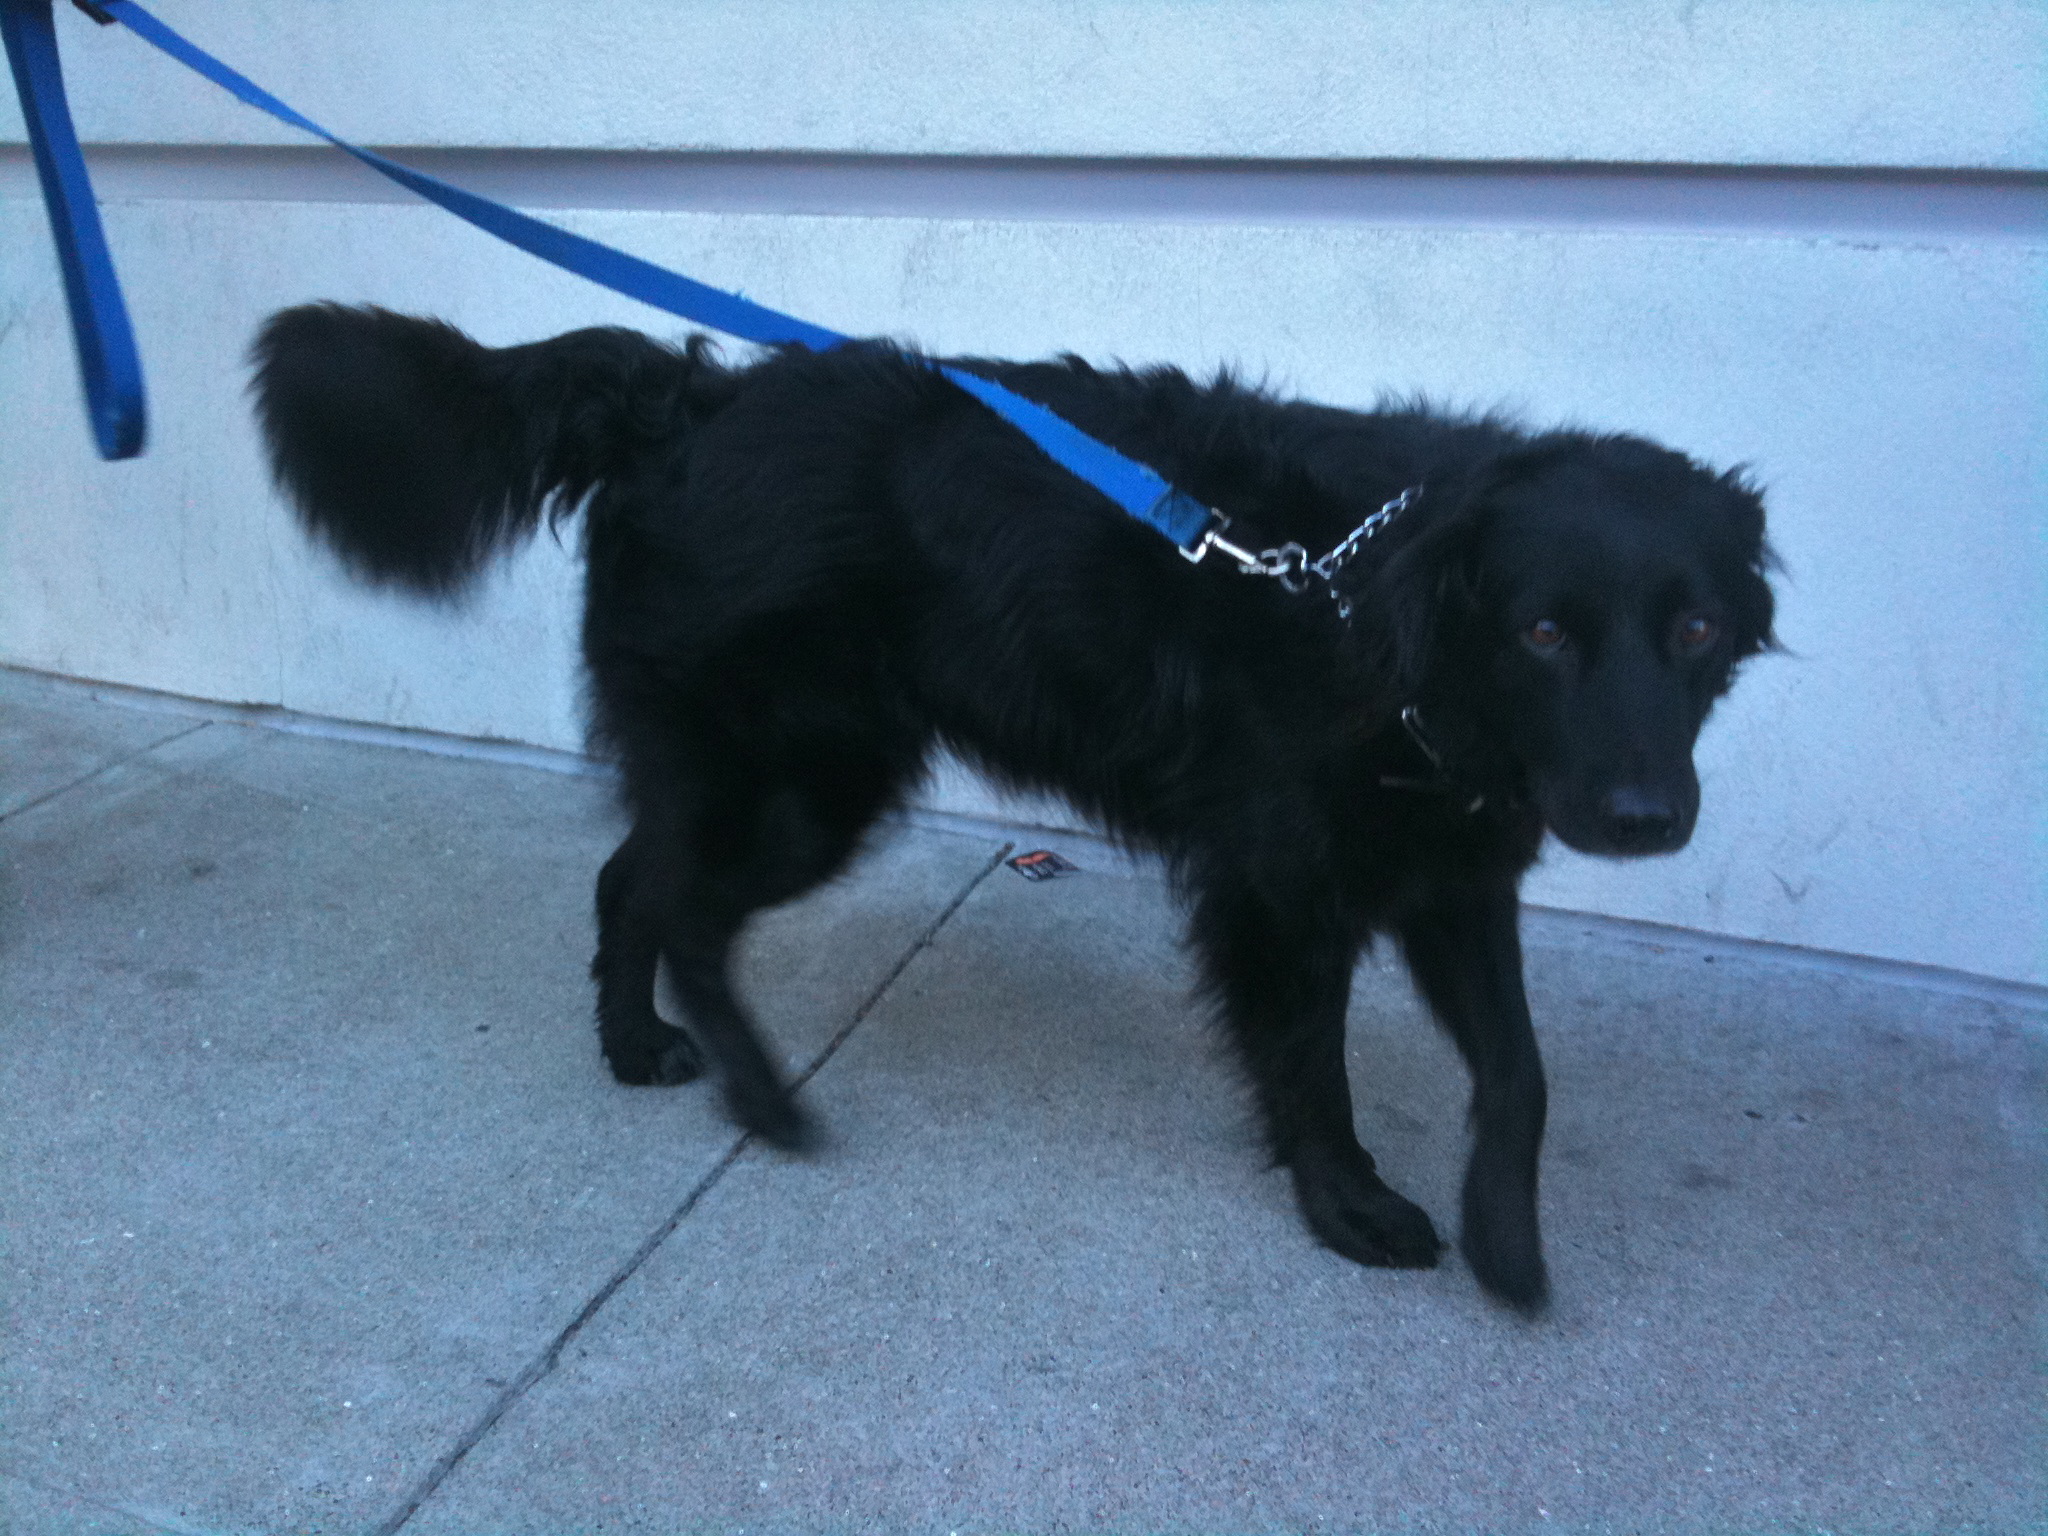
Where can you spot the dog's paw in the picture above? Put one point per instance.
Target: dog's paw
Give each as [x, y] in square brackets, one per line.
[657, 1058]
[766, 1110]
[1351, 1211]
[1500, 1239]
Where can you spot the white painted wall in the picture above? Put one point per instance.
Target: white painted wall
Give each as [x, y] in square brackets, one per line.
[1881, 791]
[1770, 82]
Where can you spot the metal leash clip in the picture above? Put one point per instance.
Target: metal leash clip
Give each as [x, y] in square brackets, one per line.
[1289, 564]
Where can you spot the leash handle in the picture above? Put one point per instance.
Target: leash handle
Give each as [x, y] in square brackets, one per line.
[107, 364]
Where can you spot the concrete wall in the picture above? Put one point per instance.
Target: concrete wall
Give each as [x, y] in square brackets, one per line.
[1809, 236]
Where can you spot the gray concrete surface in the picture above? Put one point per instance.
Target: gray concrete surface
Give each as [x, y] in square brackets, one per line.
[321, 1215]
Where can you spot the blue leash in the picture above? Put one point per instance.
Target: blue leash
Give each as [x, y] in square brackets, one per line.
[99, 320]
[106, 343]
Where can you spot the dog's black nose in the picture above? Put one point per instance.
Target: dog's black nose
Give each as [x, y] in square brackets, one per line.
[1641, 820]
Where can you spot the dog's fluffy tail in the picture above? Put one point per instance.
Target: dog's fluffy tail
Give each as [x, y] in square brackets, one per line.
[418, 454]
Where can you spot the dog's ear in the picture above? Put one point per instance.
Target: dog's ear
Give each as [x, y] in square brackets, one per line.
[1428, 587]
[1745, 573]
[1435, 581]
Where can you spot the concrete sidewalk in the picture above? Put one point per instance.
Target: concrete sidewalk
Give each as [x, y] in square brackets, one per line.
[321, 1213]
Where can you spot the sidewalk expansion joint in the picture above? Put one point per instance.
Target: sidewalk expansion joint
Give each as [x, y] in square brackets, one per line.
[917, 947]
[102, 771]
[547, 1360]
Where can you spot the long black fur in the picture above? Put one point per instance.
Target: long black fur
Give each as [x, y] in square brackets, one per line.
[805, 574]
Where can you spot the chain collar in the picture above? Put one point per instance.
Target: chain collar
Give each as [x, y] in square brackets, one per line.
[1289, 563]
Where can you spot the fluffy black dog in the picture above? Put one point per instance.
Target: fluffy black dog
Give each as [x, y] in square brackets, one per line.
[806, 573]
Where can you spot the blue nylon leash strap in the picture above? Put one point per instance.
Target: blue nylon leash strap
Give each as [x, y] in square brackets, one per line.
[107, 363]
[95, 292]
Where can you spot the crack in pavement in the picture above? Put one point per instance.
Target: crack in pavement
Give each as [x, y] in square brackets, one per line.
[143, 1522]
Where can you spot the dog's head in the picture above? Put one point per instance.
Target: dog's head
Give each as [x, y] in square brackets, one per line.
[1586, 603]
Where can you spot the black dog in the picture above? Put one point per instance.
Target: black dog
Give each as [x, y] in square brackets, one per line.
[806, 573]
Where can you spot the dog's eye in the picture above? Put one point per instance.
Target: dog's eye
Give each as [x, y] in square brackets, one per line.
[1695, 632]
[1544, 635]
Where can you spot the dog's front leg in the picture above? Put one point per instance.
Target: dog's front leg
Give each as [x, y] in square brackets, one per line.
[1466, 956]
[1283, 980]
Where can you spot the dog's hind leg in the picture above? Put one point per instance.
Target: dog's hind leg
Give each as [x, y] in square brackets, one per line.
[1284, 983]
[699, 951]
[641, 1049]
[748, 837]
[1465, 954]
[753, 769]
